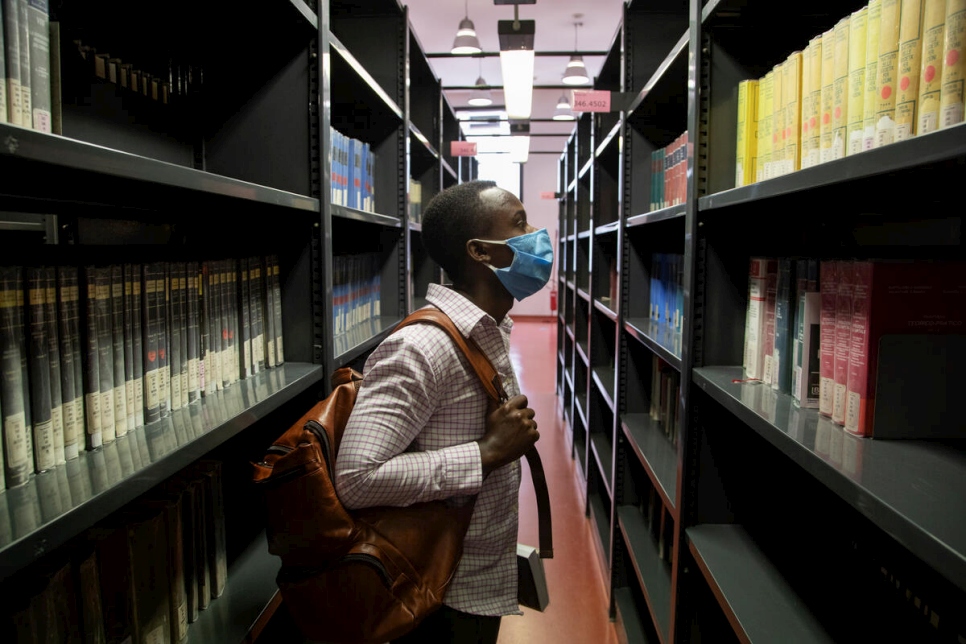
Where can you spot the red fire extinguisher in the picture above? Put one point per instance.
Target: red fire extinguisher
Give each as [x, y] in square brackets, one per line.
[553, 300]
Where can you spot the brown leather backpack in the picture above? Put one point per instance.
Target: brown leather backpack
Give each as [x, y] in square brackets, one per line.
[367, 575]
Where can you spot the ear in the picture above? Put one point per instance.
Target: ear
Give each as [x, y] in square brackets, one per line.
[478, 251]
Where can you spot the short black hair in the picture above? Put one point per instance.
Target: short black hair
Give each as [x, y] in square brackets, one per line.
[452, 218]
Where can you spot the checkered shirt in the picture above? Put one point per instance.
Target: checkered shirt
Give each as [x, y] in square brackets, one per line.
[411, 438]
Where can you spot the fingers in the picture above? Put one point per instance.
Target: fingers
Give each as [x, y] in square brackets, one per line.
[517, 402]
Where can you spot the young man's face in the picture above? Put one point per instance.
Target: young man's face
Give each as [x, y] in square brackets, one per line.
[508, 218]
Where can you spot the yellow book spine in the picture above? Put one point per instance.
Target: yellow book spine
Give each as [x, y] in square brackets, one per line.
[954, 64]
[910, 60]
[751, 142]
[828, 84]
[792, 88]
[930, 75]
[803, 148]
[741, 135]
[815, 100]
[887, 74]
[857, 38]
[870, 103]
[840, 90]
[764, 125]
[777, 121]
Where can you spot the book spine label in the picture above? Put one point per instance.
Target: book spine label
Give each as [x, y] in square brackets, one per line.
[68, 390]
[117, 339]
[39, 374]
[56, 363]
[17, 457]
[92, 385]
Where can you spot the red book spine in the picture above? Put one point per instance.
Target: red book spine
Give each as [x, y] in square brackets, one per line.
[828, 279]
[843, 337]
[858, 375]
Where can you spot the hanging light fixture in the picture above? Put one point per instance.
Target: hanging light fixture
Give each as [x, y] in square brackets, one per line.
[481, 96]
[563, 111]
[466, 41]
[576, 73]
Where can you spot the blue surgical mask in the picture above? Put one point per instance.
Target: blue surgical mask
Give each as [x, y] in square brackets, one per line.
[532, 261]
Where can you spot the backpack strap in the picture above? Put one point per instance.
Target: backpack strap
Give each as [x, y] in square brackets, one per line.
[494, 389]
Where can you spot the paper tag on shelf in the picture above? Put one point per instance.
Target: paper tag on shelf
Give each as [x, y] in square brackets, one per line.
[462, 148]
[596, 100]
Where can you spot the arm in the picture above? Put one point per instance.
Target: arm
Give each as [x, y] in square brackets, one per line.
[397, 398]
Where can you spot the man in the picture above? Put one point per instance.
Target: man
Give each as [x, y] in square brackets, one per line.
[420, 431]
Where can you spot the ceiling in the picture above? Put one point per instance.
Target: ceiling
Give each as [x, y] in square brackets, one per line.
[435, 22]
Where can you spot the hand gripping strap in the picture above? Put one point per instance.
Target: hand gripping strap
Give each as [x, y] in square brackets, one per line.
[494, 389]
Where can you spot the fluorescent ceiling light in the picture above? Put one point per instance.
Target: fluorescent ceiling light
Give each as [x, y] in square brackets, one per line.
[516, 62]
[519, 148]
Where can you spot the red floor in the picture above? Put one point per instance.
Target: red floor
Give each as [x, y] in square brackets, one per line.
[578, 597]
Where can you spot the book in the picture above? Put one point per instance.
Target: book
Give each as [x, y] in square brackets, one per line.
[828, 94]
[11, 39]
[954, 64]
[39, 39]
[828, 287]
[887, 73]
[858, 27]
[930, 74]
[890, 298]
[792, 119]
[18, 459]
[152, 328]
[840, 87]
[910, 61]
[755, 319]
[39, 370]
[55, 363]
[92, 377]
[71, 369]
[116, 278]
[873, 21]
[843, 338]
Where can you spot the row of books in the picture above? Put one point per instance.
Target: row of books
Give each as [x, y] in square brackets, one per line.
[353, 166]
[91, 354]
[669, 174]
[844, 309]
[665, 394]
[164, 85]
[356, 290]
[667, 291]
[140, 576]
[415, 201]
[26, 64]
[887, 72]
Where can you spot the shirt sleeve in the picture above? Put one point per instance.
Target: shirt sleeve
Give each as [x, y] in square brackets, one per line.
[396, 399]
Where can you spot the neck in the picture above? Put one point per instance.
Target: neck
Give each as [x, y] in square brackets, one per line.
[496, 302]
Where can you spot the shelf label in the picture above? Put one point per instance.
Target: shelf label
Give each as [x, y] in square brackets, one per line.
[596, 100]
[548, 195]
[462, 148]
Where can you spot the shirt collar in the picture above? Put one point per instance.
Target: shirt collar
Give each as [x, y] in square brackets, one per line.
[464, 314]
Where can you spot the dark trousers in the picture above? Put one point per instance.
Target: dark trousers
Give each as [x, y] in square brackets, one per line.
[448, 625]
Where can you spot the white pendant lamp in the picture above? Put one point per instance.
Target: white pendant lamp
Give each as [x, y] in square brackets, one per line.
[576, 73]
[466, 41]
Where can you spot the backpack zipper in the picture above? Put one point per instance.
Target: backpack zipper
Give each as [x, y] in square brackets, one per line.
[280, 449]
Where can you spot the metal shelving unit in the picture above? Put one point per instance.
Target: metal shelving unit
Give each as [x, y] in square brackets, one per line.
[112, 189]
[694, 551]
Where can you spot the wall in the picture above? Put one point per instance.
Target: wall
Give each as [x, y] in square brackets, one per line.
[540, 175]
